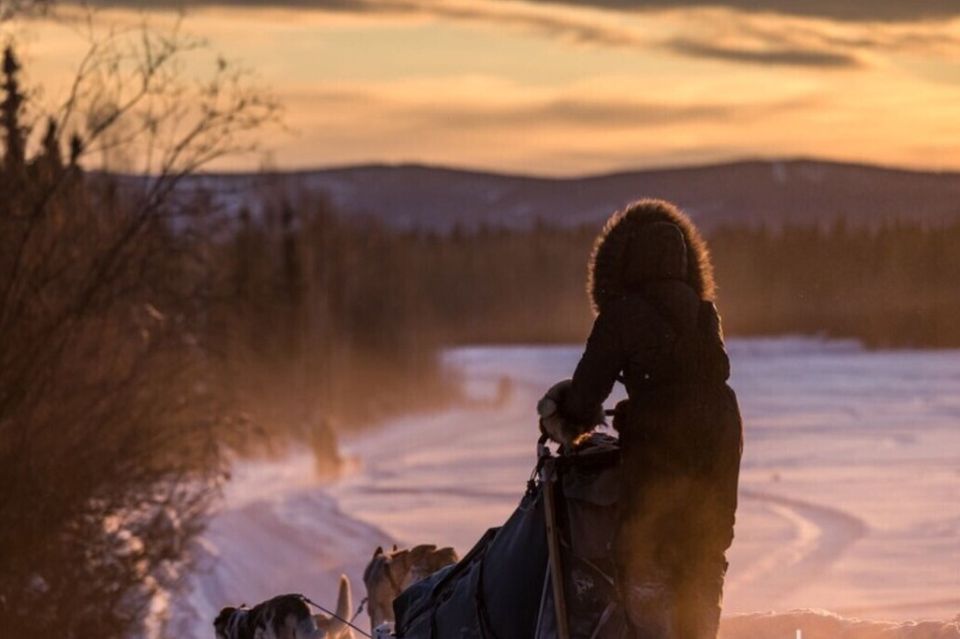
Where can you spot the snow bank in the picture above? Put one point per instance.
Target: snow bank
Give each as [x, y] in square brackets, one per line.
[277, 532]
[818, 624]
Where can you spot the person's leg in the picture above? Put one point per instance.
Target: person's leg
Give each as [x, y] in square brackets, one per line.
[644, 583]
[651, 501]
[699, 597]
[650, 606]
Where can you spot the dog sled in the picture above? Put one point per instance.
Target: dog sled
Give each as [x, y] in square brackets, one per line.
[547, 573]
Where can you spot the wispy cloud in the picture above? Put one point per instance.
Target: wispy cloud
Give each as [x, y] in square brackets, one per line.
[761, 32]
[844, 10]
[432, 106]
[510, 84]
[840, 10]
[496, 124]
[791, 56]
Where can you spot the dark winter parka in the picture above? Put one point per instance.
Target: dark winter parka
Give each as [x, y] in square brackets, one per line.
[657, 331]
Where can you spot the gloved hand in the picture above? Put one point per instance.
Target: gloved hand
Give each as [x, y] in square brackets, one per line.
[552, 422]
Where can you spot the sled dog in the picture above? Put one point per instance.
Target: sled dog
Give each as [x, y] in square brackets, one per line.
[285, 617]
[389, 574]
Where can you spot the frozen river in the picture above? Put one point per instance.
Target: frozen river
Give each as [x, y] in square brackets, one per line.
[850, 486]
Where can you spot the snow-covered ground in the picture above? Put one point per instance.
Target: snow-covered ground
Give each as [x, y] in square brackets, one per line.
[850, 490]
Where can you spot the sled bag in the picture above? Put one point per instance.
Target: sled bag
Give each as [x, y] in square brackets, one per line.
[500, 590]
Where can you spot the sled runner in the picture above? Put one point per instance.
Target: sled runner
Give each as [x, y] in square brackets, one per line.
[547, 573]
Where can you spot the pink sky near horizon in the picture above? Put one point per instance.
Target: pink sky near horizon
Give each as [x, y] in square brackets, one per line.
[563, 89]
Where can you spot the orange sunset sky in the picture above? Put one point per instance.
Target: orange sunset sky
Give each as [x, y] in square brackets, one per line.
[575, 87]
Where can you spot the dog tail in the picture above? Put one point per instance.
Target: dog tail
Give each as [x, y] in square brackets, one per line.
[338, 628]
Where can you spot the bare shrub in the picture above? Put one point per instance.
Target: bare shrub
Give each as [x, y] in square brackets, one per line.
[108, 419]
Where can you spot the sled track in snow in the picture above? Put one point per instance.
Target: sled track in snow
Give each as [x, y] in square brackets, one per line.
[821, 536]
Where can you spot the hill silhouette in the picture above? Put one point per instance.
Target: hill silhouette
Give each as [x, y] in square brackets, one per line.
[771, 193]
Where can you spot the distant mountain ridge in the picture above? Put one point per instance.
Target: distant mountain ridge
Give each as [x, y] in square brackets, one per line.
[754, 192]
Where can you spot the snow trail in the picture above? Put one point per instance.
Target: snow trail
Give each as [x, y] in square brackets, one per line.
[821, 535]
[850, 499]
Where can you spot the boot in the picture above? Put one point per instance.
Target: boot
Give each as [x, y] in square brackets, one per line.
[650, 606]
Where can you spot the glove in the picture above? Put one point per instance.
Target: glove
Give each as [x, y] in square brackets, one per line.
[552, 422]
[549, 404]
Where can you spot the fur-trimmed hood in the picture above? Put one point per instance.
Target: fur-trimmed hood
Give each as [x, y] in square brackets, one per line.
[620, 235]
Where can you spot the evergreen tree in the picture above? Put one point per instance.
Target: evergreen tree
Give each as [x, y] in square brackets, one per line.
[76, 148]
[52, 156]
[10, 110]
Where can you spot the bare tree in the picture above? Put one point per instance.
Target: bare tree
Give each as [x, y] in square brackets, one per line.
[108, 415]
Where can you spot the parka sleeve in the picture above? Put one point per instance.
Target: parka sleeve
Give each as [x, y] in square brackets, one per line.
[596, 373]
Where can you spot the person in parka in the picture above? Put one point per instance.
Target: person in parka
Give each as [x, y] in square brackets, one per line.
[657, 331]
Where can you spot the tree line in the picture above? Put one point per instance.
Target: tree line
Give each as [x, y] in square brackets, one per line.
[891, 285]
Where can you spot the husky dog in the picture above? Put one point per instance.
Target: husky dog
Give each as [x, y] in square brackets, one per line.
[285, 617]
[389, 574]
